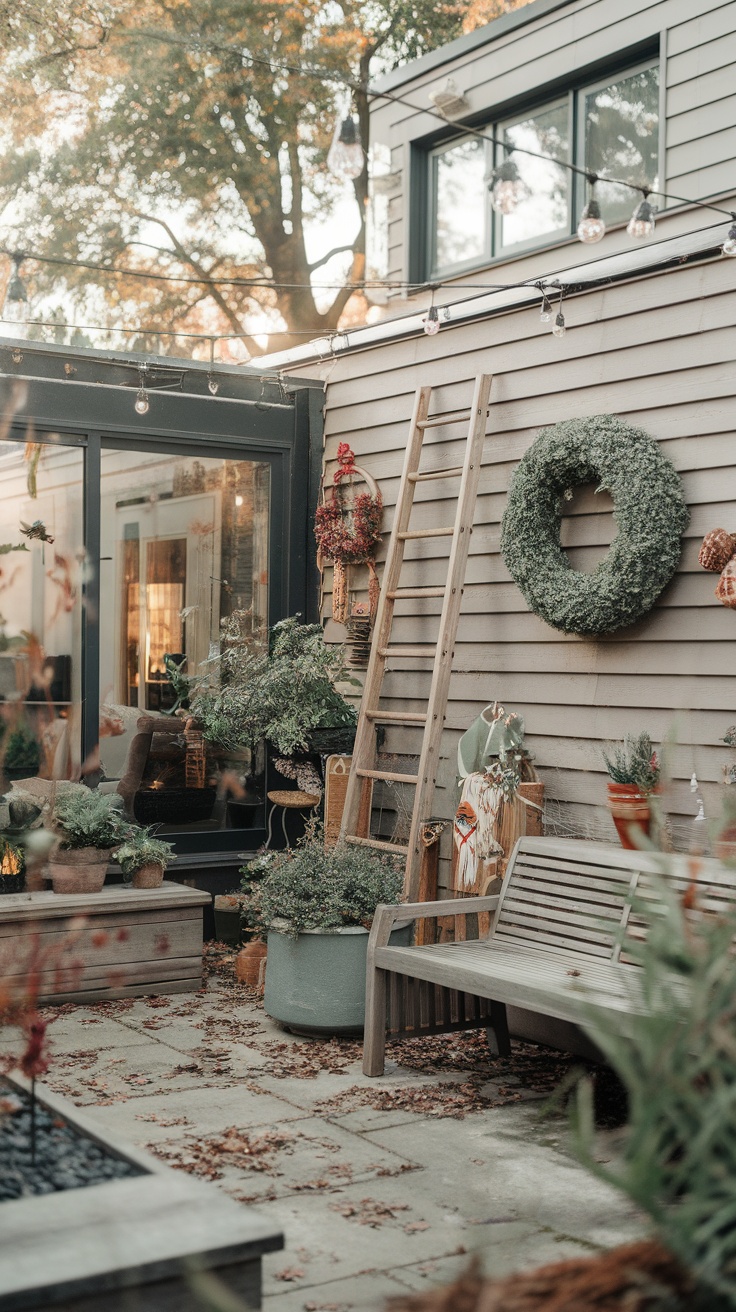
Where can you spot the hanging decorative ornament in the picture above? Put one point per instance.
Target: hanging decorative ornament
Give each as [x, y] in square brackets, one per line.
[346, 158]
[717, 549]
[507, 187]
[591, 227]
[349, 534]
[726, 590]
[641, 223]
[36, 530]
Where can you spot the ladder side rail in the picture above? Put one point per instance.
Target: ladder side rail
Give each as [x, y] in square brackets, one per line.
[440, 685]
[364, 751]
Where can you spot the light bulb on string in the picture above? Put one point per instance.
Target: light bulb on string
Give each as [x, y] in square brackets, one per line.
[141, 400]
[641, 223]
[591, 227]
[507, 187]
[729, 245]
[558, 327]
[346, 158]
[545, 309]
[212, 382]
[431, 323]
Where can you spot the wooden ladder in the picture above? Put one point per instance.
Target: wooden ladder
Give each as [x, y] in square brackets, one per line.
[363, 773]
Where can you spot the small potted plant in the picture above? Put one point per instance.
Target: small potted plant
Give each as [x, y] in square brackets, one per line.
[89, 826]
[22, 757]
[143, 858]
[634, 771]
[316, 905]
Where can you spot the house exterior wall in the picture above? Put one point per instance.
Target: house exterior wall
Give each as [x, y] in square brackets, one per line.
[657, 352]
[545, 47]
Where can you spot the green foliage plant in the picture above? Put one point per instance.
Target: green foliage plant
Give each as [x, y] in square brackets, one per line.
[314, 887]
[89, 819]
[142, 849]
[648, 507]
[278, 688]
[635, 762]
[22, 751]
[676, 1056]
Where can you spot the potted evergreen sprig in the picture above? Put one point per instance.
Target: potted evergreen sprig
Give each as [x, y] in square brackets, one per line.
[88, 826]
[143, 858]
[316, 905]
[634, 772]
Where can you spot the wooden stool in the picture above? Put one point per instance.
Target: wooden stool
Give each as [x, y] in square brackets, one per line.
[289, 799]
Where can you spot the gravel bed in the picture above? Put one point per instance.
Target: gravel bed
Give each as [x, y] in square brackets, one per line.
[65, 1159]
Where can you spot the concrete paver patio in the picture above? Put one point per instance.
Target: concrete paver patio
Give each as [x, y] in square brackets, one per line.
[378, 1189]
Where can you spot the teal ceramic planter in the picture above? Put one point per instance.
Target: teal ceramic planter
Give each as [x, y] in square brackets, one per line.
[315, 983]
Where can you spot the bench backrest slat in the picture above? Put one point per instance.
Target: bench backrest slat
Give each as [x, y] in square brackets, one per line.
[574, 897]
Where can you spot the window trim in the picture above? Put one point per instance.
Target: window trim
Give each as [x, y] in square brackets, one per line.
[422, 241]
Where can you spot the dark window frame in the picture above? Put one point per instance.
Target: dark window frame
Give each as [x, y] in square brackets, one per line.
[422, 207]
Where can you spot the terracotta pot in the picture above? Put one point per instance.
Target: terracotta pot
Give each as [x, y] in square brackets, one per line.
[149, 876]
[631, 812]
[250, 964]
[724, 847]
[78, 870]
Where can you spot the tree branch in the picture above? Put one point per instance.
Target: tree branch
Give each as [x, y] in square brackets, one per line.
[325, 259]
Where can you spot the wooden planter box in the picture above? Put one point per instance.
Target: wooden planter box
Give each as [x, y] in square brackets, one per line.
[88, 1249]
[136, 941]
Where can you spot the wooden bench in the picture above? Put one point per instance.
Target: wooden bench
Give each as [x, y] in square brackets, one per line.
[134, 941]
[557, 944]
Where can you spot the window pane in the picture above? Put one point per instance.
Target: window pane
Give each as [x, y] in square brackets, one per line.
[461, 198]
[622, 139]
[184, 546]
[40, 610]
[544, 211]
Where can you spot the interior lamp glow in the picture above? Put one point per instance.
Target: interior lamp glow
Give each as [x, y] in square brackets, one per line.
[346, 158]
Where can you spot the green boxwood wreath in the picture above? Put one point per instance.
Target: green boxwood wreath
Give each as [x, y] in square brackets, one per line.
[649, 509]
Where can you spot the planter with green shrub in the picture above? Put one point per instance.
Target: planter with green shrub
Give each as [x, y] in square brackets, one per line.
[634, 771]
[316, 905]
[143, 858]
[89, 826]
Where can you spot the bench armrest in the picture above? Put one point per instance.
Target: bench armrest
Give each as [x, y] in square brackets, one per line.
[386, 915]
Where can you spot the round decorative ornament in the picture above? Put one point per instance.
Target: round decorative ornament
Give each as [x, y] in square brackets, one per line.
[717, 549]
[349, 532]
[726, 590]
[648, 506]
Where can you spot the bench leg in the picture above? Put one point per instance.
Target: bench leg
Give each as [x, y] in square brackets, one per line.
[497, 1032]
[374, 1040]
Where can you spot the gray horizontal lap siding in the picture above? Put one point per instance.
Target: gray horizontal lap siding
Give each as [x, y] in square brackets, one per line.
[698, 54]
[658, 352]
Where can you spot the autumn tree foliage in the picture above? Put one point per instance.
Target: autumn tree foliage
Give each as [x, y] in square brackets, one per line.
[190, 137]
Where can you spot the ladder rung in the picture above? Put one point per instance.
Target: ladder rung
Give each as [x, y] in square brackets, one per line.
[390, 775]
[401, 593]
[436, 473]
[397, 717]
[427, 653]
[426, 533]
[375, 842]
[437, 421]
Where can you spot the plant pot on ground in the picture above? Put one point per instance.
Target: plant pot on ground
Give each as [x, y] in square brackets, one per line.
[143, 858]
[12, 868]
[634, 771]
[89, 826]
[316, 906]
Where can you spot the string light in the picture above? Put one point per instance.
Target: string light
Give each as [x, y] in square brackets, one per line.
[729, 245]
[506, 186]
[591, 227]
[545, 311]
[431, 321]
[346, 158]
[641, 223]
[212, 382]
[558, 328]
[141, 400]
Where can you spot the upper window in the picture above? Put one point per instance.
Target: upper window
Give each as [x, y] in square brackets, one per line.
[610, 128]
